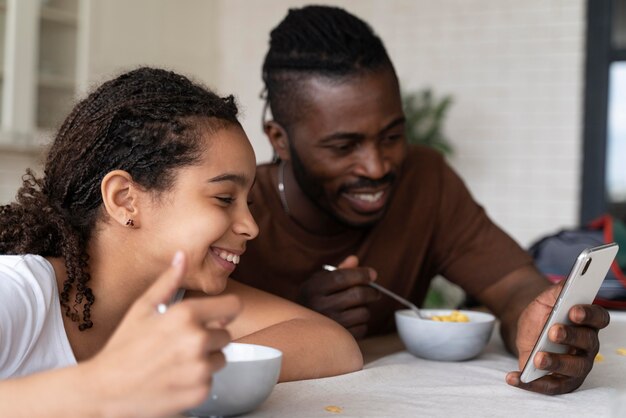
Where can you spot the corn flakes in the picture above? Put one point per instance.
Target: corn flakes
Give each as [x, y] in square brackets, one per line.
[454, 316]
[599, 358]
[334, 409]
[621, 351]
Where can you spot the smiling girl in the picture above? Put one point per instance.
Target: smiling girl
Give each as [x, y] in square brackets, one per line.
[144, 192]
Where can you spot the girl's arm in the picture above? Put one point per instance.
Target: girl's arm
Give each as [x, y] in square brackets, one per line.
[313, 345]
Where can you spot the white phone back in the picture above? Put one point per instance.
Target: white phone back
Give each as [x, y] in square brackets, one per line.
[579, 289]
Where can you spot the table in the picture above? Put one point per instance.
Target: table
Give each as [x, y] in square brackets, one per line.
[401, 385]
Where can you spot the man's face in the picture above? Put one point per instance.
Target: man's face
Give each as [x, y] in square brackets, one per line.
[348, 144]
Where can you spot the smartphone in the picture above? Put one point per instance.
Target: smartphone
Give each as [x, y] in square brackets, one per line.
[581, 286]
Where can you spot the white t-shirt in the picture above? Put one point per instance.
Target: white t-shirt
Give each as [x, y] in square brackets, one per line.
[32, 336]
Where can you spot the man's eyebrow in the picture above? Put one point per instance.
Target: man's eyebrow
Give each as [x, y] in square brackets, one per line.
[352, 136]
[239, 179]
[393, 124]
[355, 136]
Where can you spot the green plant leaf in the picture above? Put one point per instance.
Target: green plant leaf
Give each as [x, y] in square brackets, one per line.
[425, 115]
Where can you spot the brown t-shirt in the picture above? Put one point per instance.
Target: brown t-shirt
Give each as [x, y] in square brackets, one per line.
[432, 226]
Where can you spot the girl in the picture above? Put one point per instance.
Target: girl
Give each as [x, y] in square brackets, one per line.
[144, 192]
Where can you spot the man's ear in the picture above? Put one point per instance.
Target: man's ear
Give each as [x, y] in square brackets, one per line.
[120, 198]
[278, 138]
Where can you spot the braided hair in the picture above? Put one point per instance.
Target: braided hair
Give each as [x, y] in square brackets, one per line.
[317, 41]
[143, 122]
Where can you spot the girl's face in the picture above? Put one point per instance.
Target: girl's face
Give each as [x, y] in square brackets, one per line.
[205, 214]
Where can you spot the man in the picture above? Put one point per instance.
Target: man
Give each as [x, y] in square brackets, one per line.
[347, 190]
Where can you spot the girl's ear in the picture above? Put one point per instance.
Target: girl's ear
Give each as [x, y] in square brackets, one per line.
[120, 198]
[278, 138]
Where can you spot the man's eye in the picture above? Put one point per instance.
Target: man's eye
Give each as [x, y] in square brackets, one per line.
[344, 147]
[394, 137]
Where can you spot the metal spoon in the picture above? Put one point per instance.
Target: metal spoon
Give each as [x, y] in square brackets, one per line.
[388, 293]
[177, 297]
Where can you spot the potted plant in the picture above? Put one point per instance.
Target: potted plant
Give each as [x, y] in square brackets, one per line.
[425, 115]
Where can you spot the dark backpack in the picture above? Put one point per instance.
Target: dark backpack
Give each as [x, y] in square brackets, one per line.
[555, 254]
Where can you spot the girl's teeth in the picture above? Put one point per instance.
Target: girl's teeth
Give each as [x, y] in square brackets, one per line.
[233, 258]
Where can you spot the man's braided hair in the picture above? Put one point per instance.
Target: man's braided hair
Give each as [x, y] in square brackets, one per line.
[144, 122]
[316, 41]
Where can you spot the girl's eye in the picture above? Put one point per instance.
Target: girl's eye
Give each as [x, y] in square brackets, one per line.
[226, 199]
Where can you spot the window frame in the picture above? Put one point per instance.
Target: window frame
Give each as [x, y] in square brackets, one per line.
[600, 54]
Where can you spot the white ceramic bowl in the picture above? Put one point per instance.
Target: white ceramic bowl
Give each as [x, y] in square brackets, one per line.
[445, 341]
[247, 379]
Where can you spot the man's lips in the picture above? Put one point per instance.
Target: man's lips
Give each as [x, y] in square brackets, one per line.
[367, 201]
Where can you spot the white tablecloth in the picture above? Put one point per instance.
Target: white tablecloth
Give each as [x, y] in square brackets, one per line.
[401, 385]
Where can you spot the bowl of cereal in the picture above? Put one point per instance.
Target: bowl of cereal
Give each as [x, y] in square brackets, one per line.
[247, 379]
[448, 335]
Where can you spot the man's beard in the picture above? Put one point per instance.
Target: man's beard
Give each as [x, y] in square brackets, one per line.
[313, 189]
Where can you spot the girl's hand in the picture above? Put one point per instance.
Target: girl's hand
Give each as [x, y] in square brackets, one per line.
[161, 364]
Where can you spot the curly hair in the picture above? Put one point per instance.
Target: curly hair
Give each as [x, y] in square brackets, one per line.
[143, 122]
[311, 41]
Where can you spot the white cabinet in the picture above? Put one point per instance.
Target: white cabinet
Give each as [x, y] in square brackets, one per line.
[39, 67]
[56, 79]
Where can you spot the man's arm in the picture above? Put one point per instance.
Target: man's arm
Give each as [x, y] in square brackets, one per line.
[508, 298]
[522, 300]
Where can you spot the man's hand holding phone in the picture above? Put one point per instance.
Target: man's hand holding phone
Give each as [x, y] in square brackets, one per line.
[557, 338]
[569, 370]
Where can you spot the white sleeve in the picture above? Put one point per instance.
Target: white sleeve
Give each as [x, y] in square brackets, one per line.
[25, 298]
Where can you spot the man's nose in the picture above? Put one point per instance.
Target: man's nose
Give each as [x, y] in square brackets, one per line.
[372, 163]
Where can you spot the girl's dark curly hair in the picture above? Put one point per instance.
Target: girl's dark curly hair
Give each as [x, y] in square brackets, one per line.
[144, 122]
